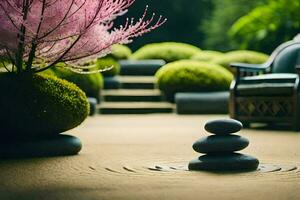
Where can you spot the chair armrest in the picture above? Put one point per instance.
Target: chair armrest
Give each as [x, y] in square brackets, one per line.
[249, 67]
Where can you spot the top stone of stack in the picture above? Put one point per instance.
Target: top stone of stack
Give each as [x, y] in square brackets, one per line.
[223, 126]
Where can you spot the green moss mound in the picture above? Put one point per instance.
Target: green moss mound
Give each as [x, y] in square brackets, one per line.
[168, 51]
[91, 84]
[103, 63]
[207, 56]
[120, 52]
[192, 76]
[241, 56]
[39, 105]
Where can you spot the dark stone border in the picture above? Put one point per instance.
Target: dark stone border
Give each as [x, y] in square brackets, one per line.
[140, 67]
[61, 145]
[111, 83]
[202, 103]
[93, 105]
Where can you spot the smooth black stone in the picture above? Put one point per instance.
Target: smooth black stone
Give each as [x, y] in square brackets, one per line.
[61, 145]
[224, 162]
[220, 143]
[223, 126]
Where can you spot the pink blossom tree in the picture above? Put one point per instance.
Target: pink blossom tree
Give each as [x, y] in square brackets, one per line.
[64, 31]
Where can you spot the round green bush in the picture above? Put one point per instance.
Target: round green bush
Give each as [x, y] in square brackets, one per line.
[91, 84]
[192, 76]
[120, 52]
[168, 51]
[103, 63]
[241, 56]
[37, 105]
[207, 55]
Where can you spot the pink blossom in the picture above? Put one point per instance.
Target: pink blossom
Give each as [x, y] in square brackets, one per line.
[65, 30]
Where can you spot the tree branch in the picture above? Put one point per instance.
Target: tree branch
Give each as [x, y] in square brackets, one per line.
[21, 35]
[34, 41]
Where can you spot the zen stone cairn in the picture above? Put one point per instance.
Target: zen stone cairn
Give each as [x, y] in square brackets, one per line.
[220, 149]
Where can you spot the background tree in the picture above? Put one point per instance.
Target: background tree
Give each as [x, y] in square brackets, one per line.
[224, 14]
[265, 27]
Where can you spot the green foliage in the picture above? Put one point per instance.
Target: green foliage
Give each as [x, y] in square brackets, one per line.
[168, 51]
[106, 62]
[120, 52]
[49, 72]
[39, 105]
[39, 63]
[192, 76]
[91, 84]
[207, 56]
[4, 63]
[224, 14]
[279, 20]
[241, 56]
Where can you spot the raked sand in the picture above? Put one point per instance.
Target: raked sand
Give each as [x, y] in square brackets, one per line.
[144, 157]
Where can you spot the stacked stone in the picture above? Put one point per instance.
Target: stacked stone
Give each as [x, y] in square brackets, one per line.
[220, 148]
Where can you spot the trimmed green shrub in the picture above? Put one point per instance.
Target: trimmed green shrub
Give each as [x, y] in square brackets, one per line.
[120, 52]
[39, 105]
[103, 63]
[207, 56]
[168, 51]
[241, 56]
[49, 72]
[91, 84]
[192, 76]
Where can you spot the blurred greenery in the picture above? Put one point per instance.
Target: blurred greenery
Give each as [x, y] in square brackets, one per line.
[207, 56]
[221, 25]
[167, 51]
[120, 52]
[223, 16]
[240, 56]
[108, 62]
[265, 27]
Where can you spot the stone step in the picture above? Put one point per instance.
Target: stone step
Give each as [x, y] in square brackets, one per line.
[111, 83]
[140, 67]
[131, 95]
[135, 107]
[137, 82]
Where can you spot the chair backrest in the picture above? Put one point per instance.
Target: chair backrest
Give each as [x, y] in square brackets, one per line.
[287, 58]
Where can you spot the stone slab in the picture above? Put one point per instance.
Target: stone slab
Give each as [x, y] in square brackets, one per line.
[202, 103]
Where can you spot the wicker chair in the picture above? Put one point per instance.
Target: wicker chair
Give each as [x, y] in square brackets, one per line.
[268, 92]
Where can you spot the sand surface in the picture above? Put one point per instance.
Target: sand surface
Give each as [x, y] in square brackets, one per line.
[144, 157]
